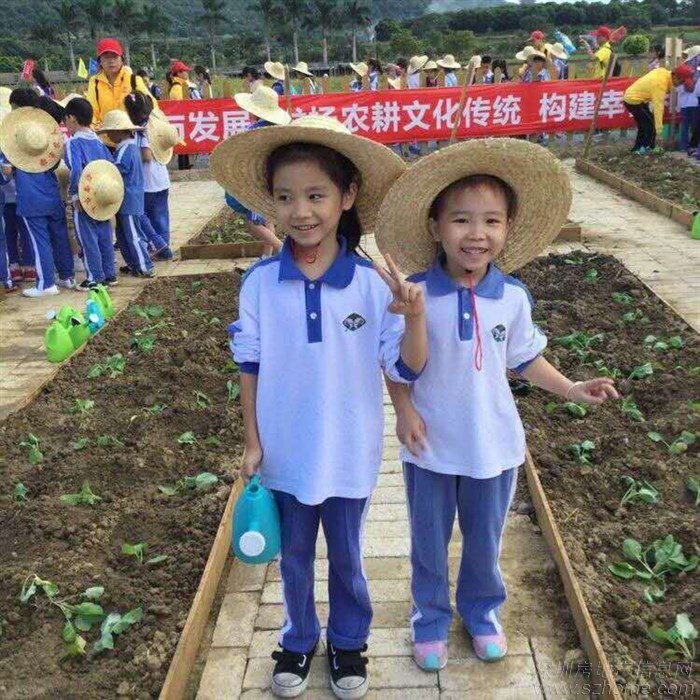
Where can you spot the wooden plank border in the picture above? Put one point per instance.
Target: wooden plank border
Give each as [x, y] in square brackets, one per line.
[226, 251]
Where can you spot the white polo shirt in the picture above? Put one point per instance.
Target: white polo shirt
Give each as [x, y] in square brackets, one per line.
[155, 175]
[472, 423]
[319, 348]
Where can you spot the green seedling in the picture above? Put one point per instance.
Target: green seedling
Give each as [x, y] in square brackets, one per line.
[135, 550]
[551, 407]
[21, 491]
[187, 438]
[679, 639]
[576, 410]
[202, 400]
[660, 345]
[114, 366]
[156, 409]
[178, 294]
[80, 444]
[230, 367]
[679, 445]
[232, 390]
[84, 498]
[82, 406]
[580, 343]
[214, 321]
[146, 312]
[693, 485]
[632, 316]
[202, 482]
[622, 298]
[142, 343]
[582, 451]
[156, 560]
[32, 444]
[604, 371]
[694, 405]
[629, 408]
[115, 624]
[641, 371]
[198, 312]
[196, 286]
[109, 441]
[592, 276]
[212, 441]
[638, 491]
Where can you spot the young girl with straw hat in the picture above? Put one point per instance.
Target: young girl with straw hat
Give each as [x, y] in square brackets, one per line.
[462, 219]
[276, 71]
[449, 66]
[317, 326]
[309, 86]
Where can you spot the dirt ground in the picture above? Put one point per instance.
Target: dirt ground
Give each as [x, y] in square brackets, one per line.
[225, 227]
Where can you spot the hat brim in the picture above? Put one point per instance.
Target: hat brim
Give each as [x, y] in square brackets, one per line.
[90, 172]
[415, 69]
[41, 162]
[555, 52]
[449, 66]
[238, 165]
[277, 116]
[161, 155]
[402, 223]
[522, 56]
[273, 70]
[303, 72]
[356, 71]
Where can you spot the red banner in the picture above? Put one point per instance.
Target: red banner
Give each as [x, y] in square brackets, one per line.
[27, 68]
[396, 116]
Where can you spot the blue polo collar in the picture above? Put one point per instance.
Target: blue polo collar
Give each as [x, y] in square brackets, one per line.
[339, 274]
[439, 283]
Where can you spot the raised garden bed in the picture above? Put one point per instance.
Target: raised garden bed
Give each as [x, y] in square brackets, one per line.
[614, 316]
[168, 415]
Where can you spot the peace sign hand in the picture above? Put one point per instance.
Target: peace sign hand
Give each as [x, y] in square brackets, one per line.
[408, 297]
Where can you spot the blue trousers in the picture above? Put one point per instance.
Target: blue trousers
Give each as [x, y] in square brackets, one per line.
[95, 238]
[5, 278]
[482, 506]
[156, 208]
[19, 247]
[49, 238]
[350, 607]
[688, 118]
[153, 240]
[132, 243]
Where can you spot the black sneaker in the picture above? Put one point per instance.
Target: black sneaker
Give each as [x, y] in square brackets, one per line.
[291, 673]
[126, 270]
[86, 286]
[111, 281]
[348, 672]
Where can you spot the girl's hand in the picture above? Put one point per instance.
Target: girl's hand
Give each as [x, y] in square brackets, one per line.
[594, 391]
[408, 297]
[251, 462]
[410, 429]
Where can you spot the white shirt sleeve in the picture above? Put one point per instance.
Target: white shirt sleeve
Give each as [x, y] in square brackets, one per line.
[525, 340]
[245, 332]
[391, 335]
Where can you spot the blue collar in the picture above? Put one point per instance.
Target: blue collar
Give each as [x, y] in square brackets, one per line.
[439, 283]
[339, 274]
[91, 135]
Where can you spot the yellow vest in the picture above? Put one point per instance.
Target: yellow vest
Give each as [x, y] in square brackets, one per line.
[602, 58]
[105, 96]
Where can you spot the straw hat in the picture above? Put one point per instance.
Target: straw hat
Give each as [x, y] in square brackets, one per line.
[303, 67]
[448, 61]
[430, 65]
[538, 54]
[238, 164]
[4, 101]
[691, 52]
[162, 138]
[31, 140]
[402, 223]
[416, 64]
[68, 98]
[101, 189]
[474, 61]
[525, 53]
[264, 104]
[118, 120]
[556, 50]
[394, 83]
[275, 69]
[63, 177]
[360, 68]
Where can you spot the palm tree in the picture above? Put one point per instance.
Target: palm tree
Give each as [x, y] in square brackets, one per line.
[97, 15]
[153, 22]
[126, 17]
[267, 9]
[295, 11]
[69, 14]
[326, 13]
[357, 13]
[213, 15]
[43, 33]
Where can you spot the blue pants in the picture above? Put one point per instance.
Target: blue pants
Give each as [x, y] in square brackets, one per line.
[132, 243]
[95, 238]
[482, 506]
[49, 238]
[5, 278]
[350, 607]
[688, 115]
[19, 247]
[156, 207]
[154, 242]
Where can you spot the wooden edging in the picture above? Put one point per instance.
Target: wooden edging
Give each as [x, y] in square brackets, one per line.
[639, 194]
[226, 251]
[582, 618]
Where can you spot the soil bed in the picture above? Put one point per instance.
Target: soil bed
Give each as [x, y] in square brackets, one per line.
[78, 547]
[585, 497]
[226, 227]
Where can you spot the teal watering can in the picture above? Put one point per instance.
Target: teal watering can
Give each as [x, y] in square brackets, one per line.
[105, 300]
[94, 315]
[256, 525]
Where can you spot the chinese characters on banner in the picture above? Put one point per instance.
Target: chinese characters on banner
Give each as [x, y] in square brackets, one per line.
[397, 116]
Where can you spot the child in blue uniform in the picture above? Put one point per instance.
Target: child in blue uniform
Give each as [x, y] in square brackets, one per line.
[317, 325]
[127, 157]
[95, 237]
[457, 213]
[5, 276]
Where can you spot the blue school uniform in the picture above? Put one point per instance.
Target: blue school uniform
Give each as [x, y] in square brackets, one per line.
[156, 186]
[5, 277]
[130, 235]
[322, 344]
[464, 469]
[278, 87]
[19, 247]
[95, 237]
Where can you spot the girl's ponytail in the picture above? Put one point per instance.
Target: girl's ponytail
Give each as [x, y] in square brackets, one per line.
[350, 229]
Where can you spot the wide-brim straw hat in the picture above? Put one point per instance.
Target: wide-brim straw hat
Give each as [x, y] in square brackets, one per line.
[430, 65]
[101, 189]
[63, 102]
[275, 69]
[118, 120]
[31, 140]
[538, 54]
[162, 138]
[557, 50]
[543, 201]
[263, 103]
[238, 163]
[416, 63]
[448, 61]
[360, 68]
[691, 52]
[303, 68]
[394, 83]
[525, 53]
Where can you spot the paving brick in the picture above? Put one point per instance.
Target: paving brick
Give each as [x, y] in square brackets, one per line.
[557, 684]
[223, 675]
[495, 694]
[387, 511]
[245, 577]
[389, 494]
[399, 672]
[234, 626]
[473, 675]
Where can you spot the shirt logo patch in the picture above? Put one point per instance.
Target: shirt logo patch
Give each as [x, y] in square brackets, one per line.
[499, 333]
[354, 322]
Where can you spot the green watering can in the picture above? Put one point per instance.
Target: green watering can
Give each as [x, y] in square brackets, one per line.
[101, 296]
[59, 345]
[695, 231]
[74, 322]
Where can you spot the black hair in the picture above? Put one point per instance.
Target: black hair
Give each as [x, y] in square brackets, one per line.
[81, 109]
[340, 170]
[539, 58]
[490, 181]
[201, 70]
[41, 79]
[23, 97]
[50, 107]
[143, 73]
[659, 50]
[500, 63]
[138, 106]
[374, 63]
[485, 59]
[402, 63]
[254, 73]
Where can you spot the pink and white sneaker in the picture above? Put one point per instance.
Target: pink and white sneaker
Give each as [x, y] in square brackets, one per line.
[430, 656]
[490, 647]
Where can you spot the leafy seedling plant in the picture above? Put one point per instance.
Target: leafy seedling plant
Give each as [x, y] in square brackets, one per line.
[622, 298]
[633, 316]
[660, 345]
[142, 342]
[82, 406]
[146, 312]
[32, 444]
[592, 276]
[232, 391]
[638, 491]
[629, 408]
[108, 441]
[576, 410]
[84, 498]
[641, 371]
[202, 400]
[579, 343]
[80, 444]
[202, 482]
[187, 438]
[582, 451]
[693, 485]
[20, 494]
[138, 551]
[113, 367]
[603, 371]
[679, 640]
[679, 445]
[156, 409]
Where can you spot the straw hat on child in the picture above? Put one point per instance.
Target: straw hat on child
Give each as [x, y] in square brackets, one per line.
[394, 83]
[275, 69]
[448, 62]
[691, 52]
[118, 120]
[238, 164]
[162, 137]
[416, 63]
[526, 53]
[402, 224]
[430, 65]
[360, 68]
[303, 68]
[100, 190]
[263, 103]
[31, 140]
[68, 98]
[557, 50]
